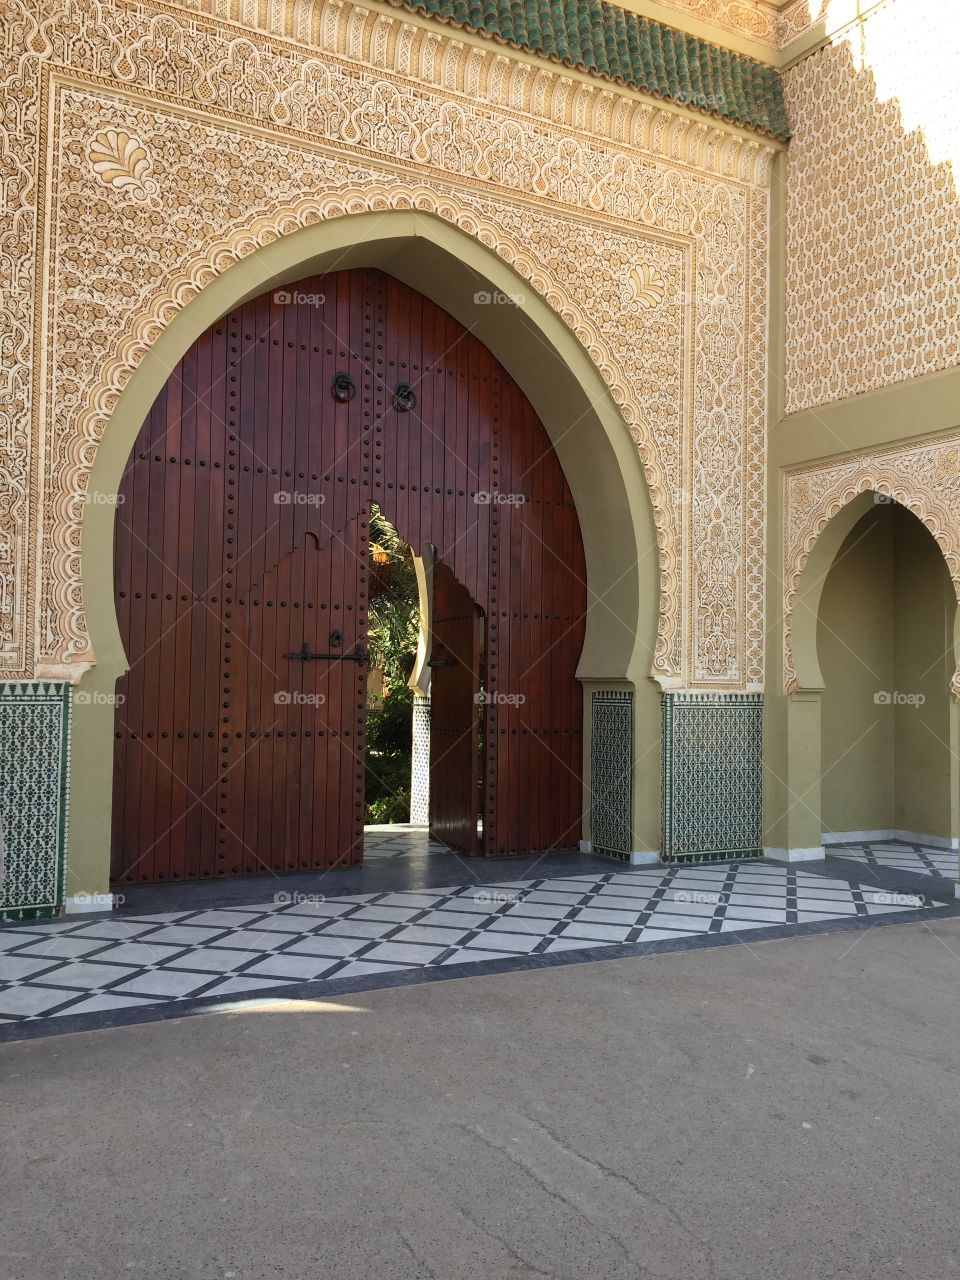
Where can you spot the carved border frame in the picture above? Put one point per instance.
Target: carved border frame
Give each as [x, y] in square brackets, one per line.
[923, 476]
[682, 142]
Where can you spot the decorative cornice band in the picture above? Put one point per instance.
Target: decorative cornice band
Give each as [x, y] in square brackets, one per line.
[399, 49]
[592, 36]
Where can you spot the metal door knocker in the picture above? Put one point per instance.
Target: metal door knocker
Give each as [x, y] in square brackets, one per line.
[343, 387]
[404, 397]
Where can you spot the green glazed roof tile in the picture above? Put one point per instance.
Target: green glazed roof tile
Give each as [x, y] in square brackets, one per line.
[605, 40]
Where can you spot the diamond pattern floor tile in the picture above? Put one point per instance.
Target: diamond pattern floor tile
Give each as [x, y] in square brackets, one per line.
[321, 944]
[432, 937]
[674, 920]
[892, 855]
[545, 911]
[404, 953]
[242, 985]
[353, 928]
[252, 939]
[113, 930]
[63, 947]
[364, 968]
[181, 935]
[472, 955]
[30, 1002]
[663, 935]
[574, 944]
[520, 924]
[517, 943]
[103, 1003]
[292, 967]
[595, 932]
[212, 960]
[88, 977]
[138, 953]
[165, 982]
[451, 920]
[55, 969]
[594, 915]
[771, 915]
[13, 936]
[16, 968]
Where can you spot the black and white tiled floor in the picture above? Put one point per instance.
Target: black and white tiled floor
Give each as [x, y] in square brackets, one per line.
[77, 966]
[897, 855]
[399, 840]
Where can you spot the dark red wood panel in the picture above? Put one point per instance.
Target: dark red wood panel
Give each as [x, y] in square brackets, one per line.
[251, 482]
[455, 803]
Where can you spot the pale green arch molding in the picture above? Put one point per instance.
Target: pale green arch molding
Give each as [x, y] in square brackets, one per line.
[801, 823]
[806, 608]
[593, 443]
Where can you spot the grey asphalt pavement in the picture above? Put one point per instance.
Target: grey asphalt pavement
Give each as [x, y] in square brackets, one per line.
[771, 1111]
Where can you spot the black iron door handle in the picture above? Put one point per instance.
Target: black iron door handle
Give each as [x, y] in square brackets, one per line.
[306, 654]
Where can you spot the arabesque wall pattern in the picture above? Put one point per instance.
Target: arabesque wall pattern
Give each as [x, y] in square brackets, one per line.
[873, 218]
[756, 19]
[149, 148]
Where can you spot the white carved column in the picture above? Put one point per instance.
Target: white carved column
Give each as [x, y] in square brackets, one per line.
[420, 684]
[420, 762]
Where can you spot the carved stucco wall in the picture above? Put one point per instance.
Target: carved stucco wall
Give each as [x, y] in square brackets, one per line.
[148, 149]
[924, 477]
[756, 19]
[873, 220]
[798, 16]
[771, 22]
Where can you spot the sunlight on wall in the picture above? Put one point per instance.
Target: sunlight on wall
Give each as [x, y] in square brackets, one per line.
[912, 52]
[873, 221]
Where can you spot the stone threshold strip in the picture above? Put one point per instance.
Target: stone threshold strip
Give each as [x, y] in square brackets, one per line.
[112, 966]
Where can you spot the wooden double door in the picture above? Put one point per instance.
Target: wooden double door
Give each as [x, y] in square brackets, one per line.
[242, 580]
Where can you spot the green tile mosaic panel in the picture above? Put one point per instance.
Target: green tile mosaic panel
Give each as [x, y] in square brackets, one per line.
[611, 772]
[711, 776]
[34, 780]
[618, 45]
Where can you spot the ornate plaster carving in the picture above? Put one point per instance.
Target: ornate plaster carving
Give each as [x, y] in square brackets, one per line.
[924, 477]
[796, 17]
[121, 162]
[755, 19]
[873, 222]
[232, 139]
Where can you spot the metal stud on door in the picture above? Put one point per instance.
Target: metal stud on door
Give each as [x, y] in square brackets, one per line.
[299, 709]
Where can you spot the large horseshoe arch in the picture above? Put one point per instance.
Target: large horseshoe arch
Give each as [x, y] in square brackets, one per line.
[241, 554]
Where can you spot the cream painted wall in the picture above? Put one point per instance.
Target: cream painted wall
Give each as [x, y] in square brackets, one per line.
[924, 605]
[855, 647]
[886, 627]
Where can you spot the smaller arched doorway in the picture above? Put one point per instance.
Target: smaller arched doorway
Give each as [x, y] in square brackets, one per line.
[874, 646]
